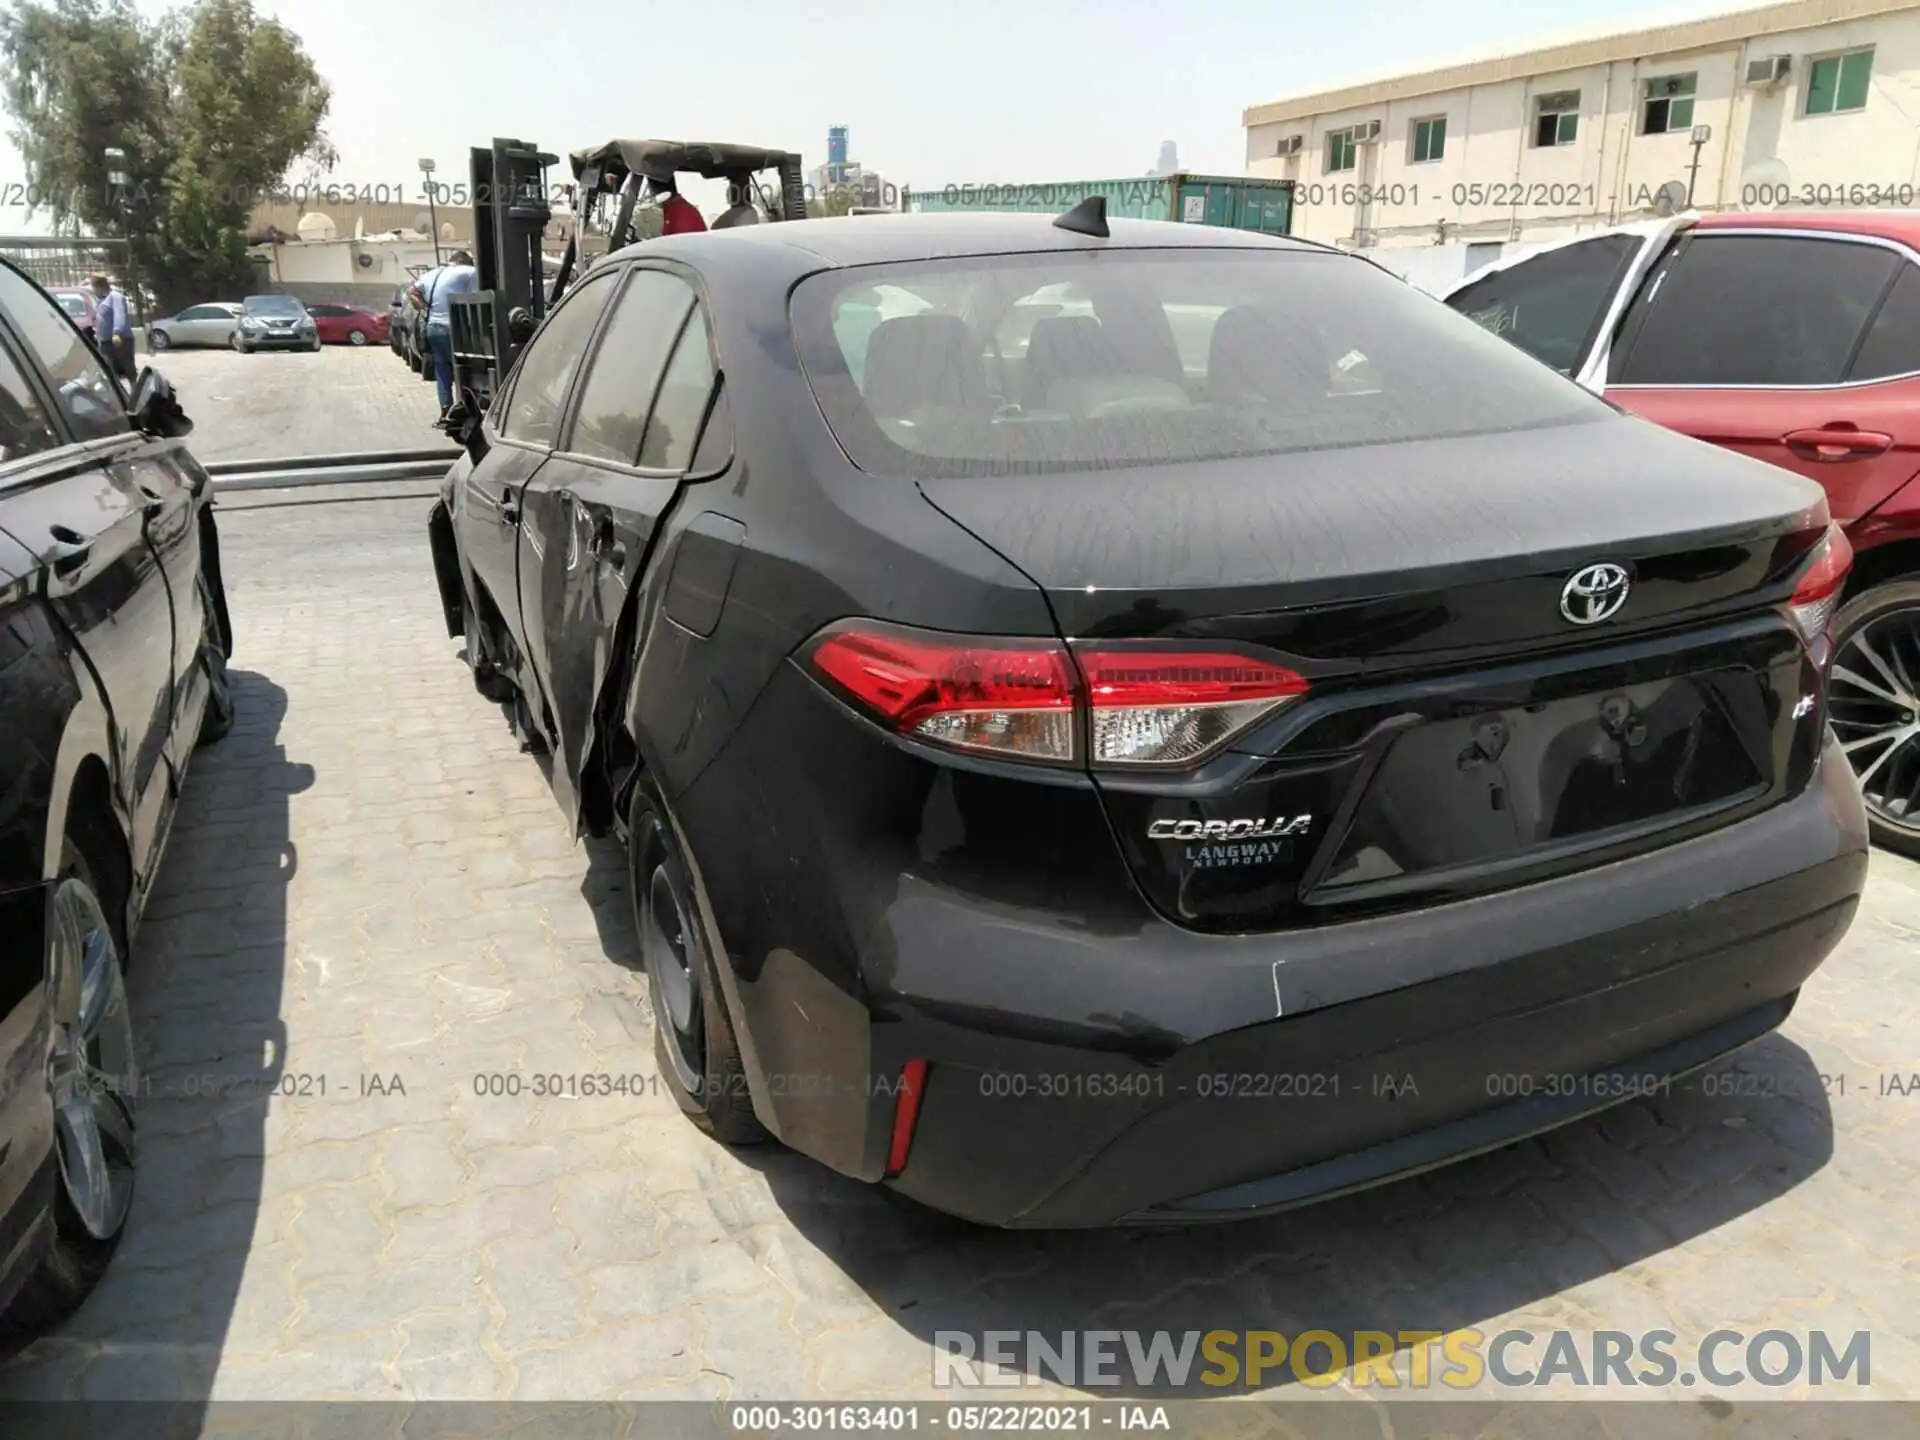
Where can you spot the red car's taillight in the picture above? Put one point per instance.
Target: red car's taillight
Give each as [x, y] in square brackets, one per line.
[1817, 596]
[1138, 705]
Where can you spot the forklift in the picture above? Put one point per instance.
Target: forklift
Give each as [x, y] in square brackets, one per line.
[490, 325]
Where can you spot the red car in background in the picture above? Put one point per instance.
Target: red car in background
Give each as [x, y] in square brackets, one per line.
[349, 324]
[1793, 338]
[80, 305]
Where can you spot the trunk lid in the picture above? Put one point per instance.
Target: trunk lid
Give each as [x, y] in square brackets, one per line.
[1461, 732]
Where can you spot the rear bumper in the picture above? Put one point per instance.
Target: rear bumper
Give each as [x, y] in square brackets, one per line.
[1266, 1072]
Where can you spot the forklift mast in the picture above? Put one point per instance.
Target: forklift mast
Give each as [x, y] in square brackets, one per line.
[510, 215]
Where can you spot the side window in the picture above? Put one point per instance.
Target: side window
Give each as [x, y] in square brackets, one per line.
[1551, 305]
[626, 366]
[24, 427]
[684, 390]
[82, 384]
[551, 360]
[1892, 346]
[198, 312]
[1754, 310]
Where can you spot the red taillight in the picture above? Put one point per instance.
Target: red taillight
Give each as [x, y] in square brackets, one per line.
[1170, 707]
[1013, 696]
[1144, 704]
[1817, 596]
[906, 1112]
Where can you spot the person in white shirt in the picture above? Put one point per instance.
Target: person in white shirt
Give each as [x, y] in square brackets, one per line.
[431, 292]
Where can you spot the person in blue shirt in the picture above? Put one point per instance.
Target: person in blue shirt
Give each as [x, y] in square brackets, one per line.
[113, 326]
[432, 292]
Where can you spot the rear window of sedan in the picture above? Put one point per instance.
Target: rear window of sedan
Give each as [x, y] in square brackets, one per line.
[1084, 360]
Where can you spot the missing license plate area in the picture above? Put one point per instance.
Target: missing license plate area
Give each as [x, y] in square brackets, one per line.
[1474, 789]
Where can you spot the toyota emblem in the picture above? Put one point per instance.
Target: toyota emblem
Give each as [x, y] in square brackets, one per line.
[1594, 593]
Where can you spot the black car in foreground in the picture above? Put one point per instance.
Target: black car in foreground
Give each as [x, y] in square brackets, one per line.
[1148, 726]
[113, 646]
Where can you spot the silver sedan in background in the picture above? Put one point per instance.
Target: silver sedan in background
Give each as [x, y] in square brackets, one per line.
[210, 324]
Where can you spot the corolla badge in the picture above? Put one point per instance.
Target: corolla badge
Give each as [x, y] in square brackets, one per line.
[1229, 829]
[1594, 593]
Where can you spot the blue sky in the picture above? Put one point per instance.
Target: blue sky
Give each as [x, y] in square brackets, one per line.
[987, 91]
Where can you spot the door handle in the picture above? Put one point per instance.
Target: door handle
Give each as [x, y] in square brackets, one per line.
[509, 513]
[607, 546]
[1836, 442]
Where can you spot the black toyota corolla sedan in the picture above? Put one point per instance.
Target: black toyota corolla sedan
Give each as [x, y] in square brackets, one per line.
[113, 646]
[1148, 723]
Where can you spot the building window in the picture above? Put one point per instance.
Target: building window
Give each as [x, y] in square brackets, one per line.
[1556, 118]
[1341, 151]
[1836, 83]
[1668, 105]
[1429, 139]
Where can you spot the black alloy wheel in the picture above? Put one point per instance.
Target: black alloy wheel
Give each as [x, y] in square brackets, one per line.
[1873, 704]
[693, 1038]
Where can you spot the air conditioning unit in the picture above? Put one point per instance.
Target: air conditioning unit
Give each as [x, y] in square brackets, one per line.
[1364, 134]
[1290, 145]
[1770, 70]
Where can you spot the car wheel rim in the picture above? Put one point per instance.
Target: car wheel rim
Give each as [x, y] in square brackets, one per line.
[91, 1069]
[356, 337]
[1874, 705]
[667, 950]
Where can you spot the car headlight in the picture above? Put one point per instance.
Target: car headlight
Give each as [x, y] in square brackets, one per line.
[248, 322]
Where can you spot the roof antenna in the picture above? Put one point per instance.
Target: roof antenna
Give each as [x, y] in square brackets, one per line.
[1089, 217]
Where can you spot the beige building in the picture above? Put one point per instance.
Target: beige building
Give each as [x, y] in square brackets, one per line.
[1812, 103]
[312, 254]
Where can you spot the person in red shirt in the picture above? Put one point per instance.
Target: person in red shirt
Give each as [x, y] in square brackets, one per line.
[677, 216]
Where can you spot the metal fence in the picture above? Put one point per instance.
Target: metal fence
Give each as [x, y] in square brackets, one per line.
[62, 262]
[65, 262]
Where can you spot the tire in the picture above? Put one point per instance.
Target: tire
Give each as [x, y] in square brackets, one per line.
[158, 340]
[1873, 704]
[315, 346]
[487, 678]
[356, 337]
[693, 1038]
[240, 347]
[217, 719]
[91, 1073]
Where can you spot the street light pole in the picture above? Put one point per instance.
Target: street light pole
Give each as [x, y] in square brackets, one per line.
[433, 213]
[1701, 135]
[116, 159]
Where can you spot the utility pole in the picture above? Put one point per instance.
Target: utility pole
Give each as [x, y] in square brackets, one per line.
[1701, 135]
[433, 213]
[116, 159]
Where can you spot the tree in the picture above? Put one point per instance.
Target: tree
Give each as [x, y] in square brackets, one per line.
[212, 107]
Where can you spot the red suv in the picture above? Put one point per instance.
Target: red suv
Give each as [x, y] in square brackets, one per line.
[80, 306]
[1794, 338]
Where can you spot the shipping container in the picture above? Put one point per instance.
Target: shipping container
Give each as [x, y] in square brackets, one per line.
[1237, 201]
